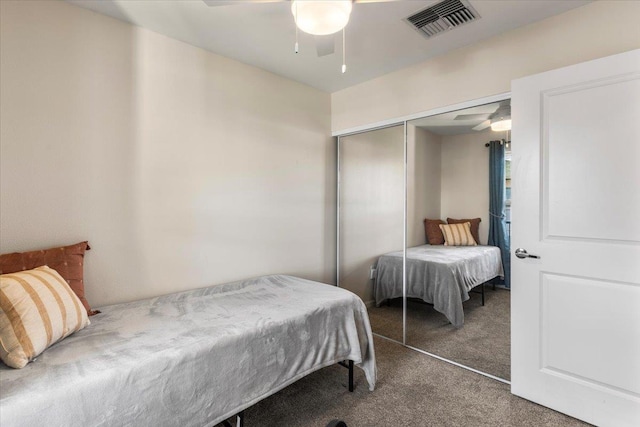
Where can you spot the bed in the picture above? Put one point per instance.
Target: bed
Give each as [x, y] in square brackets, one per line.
[439, 275]
[192, 358]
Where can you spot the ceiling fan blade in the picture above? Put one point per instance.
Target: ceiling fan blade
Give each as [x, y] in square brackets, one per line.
[503, 111]
[375, 1]
[483, 125]
[481, 116]
[214, 3]
[325, 45]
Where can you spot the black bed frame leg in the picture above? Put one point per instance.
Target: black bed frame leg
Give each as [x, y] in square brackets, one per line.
[483, 294]
[351, 375]
[349, 366]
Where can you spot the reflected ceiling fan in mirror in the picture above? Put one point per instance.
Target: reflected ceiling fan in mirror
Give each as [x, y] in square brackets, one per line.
[499, 120]
[322, 19]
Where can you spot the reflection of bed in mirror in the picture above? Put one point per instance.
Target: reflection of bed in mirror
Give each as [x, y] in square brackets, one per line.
[439, 275]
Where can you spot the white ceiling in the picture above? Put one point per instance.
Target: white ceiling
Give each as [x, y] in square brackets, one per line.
[378, 41]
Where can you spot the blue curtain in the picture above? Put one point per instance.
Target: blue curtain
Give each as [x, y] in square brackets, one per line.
[497, 220]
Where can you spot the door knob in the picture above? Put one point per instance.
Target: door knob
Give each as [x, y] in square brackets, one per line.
[522, 253]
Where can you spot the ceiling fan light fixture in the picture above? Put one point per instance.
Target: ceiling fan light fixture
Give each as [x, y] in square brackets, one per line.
[501, 125]
[321, 18]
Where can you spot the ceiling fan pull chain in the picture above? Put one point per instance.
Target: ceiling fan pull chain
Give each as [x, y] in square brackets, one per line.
[296, 22]
[344, 62]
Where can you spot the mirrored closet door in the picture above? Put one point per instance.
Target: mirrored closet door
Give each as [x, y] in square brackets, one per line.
[371, 223]
[449, 262]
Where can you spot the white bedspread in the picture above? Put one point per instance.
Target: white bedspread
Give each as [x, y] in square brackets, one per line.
[192, 358]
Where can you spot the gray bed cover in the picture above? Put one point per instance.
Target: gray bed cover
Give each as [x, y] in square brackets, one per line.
[193, 358]
[439, 275]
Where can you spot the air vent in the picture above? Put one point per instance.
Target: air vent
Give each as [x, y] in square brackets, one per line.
[442, 17]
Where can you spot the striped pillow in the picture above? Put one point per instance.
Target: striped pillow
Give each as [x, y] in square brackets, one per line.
[37, 309]
[458, 234]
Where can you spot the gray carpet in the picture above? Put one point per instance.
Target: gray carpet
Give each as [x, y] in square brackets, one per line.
[387, 320]
[482, 343]
[413, 390]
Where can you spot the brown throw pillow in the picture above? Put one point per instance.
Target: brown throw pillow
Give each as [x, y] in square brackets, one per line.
[432, 231]
[68, 261]
[475, 226]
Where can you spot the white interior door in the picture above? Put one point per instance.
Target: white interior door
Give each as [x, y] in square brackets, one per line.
[576, 204]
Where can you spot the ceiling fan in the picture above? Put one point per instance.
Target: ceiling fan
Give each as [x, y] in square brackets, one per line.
[499, 120]
[322, 19]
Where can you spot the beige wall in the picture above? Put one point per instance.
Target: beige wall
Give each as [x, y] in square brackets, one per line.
[182, 168]
[423, 181]
[465, 177]
[486, 68]
[371, 204]
[447, 176]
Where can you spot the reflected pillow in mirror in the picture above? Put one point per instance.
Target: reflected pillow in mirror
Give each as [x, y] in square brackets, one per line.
[458, 234]
[475, 226]
[432, 231]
